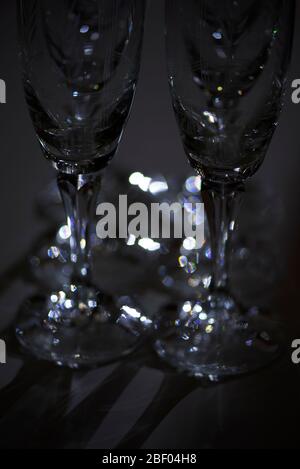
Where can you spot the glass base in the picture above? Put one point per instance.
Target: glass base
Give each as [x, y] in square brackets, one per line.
[213, 338]
[93, 330]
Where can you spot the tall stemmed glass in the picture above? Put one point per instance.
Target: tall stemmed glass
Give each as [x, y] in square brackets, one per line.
[81, 60]
[227, 62]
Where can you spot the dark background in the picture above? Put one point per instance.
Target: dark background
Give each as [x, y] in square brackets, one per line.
[269, 410]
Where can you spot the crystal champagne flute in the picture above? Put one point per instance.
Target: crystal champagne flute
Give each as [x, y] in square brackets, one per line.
[80, 60]
[227, 62]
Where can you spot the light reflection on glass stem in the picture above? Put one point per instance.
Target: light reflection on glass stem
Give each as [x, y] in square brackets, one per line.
[221, 204]
[79, 194]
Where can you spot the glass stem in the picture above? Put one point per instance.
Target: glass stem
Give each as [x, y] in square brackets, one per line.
[221, 204]
[79, 194]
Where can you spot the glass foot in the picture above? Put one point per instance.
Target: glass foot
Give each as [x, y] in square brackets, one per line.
[213, 338]
[92, 330]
